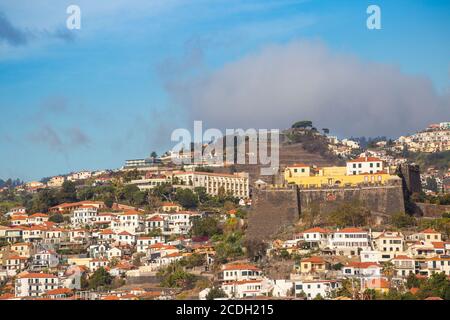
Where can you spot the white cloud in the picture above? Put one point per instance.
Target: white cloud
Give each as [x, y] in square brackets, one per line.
[305, 80]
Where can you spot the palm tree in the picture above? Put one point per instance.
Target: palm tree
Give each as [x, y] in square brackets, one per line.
[388, 271]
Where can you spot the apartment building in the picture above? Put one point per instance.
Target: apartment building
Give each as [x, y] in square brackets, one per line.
[35, 284]
[236, 184]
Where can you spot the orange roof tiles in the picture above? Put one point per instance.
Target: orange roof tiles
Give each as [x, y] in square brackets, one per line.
[366, 159]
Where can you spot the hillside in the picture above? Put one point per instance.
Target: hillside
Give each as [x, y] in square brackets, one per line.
[294, 148]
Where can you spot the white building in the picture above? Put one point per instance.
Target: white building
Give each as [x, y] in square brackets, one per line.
[235, 184]
[45, 259]
[350, 241]
[313, 288]
[84, 216]
[364, 165]
[239, 272]
[35, 284]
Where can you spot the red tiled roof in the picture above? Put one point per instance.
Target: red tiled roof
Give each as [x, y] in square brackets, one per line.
[362, 265]
[36, 275]
[316, 229]
[240, 267]
[365, 159]
[59, 291]
[429, 230]
[314, 260]
[351, 230]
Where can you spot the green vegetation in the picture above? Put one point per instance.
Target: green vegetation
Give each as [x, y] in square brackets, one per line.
[187, 198]
[302, 124]
[101, 279]
[56, 218]
[438, 160]
[228, 246]
[401, 220]
[194, 260]
[216, 293]
[206, 227]
[350, 214]
[174, 276]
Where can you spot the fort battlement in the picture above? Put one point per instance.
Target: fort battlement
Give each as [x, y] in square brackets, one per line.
[278, 206]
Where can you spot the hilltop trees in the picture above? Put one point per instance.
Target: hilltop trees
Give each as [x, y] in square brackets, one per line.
[302, 124]
[68, 192]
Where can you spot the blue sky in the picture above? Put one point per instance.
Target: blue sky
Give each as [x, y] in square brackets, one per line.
[91, 98]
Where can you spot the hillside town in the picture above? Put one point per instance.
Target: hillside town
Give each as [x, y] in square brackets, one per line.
[152, 230]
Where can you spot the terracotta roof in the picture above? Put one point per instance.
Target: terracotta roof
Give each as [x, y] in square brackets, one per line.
[59, 291]
[316, 229]
[155, 218]
[240, 267]
[125, 233]
[362, 265]
[36, 275]
[402, 257]
[16, 257]
[438, 245]
[429, 230]
[314, 260]
[351, 230]
[365, 159]
[169, 204]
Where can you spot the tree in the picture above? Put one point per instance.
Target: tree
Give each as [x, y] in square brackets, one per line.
[194, 260]
[216, 293]
[173, 276]
[56, 218]
[326, 130]
[412, 281]
[153, 155]
[349, 214]
[68, 192]
[318, 297]
[42, 201]
[388, 270]
[402, 220]
[229, 248]
[187, 198]
[205, 227]
[100, 279]
[109, 201]
[302, 124]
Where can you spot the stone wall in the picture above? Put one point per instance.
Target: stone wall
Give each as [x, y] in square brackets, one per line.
[429, 210]
[384, 200]
[277, 207]
[273, 209]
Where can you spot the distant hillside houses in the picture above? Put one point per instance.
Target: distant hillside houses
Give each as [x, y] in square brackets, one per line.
[435, 138]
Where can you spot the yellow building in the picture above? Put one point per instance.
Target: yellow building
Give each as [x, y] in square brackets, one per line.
[312, 177]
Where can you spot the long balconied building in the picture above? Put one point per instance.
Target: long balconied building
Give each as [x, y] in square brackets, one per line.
[234, 184]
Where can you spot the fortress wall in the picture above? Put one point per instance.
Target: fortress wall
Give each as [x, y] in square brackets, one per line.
[275, 208]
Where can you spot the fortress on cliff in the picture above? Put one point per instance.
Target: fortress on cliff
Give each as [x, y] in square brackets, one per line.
[301, 188]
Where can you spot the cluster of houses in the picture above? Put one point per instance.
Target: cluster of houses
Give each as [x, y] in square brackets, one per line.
[39, 257]
[328, 257]
[435, 138]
